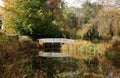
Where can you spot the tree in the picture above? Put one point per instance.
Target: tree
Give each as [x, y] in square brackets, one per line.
[106, 24]
[89, 10]
[69, 21]
[33, 18]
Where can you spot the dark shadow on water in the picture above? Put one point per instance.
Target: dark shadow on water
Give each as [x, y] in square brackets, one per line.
[53, 66]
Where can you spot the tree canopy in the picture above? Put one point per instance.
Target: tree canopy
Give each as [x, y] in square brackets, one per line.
[34, 18]
[49, 18]
[106, 24]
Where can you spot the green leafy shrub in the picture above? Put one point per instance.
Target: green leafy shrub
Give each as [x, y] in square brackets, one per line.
[46, 30]
[42, 30]
[3, 38]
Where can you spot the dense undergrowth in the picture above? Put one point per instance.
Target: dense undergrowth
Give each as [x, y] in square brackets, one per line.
[113, 53]
[19, 59]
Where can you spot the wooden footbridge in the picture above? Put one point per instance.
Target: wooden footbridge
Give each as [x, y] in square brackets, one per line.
[52, 47]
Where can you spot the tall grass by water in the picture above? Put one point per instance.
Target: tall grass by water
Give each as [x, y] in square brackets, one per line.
[93, 60]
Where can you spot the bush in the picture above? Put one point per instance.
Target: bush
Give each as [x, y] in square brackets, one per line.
[88, 50]
[113, 53]
[14, 64]
[7, 55]
[8, 49]
[44, 30]
[28, 45]
[3, 38]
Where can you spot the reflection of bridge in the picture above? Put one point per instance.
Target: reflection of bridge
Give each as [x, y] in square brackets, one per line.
[52, 46]
[52, 54]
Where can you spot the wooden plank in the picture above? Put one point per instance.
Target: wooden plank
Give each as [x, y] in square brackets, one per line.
[56, 40]
[52, 54]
